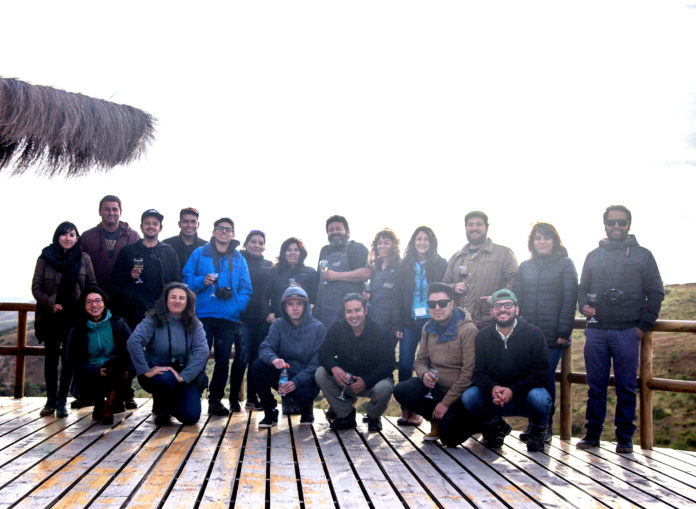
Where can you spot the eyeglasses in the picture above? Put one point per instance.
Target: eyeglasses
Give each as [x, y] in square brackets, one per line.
[504, 305]
[98, 300]
[442, 303]
[224, 229]
[614, 222]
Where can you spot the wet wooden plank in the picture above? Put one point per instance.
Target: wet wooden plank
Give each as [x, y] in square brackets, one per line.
[56, 487]
[673, 457]
[283, 481]
[187, 488]
[129, 479]
[348, 492]
[251, 488]
[315, 485]
[21, 417]
[218, 491]
[443, 476]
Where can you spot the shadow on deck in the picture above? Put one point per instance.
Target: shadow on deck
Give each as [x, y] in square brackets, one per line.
[224, 462]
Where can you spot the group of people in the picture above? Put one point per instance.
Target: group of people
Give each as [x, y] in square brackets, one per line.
[479, 337]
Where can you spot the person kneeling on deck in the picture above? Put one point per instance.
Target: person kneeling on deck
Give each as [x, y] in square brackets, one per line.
[444, 365]
[512, 364]
[357, 359]
[292, 343]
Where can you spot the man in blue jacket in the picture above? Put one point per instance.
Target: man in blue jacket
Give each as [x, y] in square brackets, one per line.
[621, 293]
[292, 343]
[219, 276]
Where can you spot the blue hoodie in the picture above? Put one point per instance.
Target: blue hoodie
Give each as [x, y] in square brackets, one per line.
[298, 345]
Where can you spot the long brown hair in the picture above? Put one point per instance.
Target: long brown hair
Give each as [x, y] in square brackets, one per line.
[160, 312]
[393, 259]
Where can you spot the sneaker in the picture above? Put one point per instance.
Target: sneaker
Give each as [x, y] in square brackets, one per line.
[234, 407]
[270, 419]
[374, 424]
[624, 446]
[535, 440]
[81, 403]
[525, 434]
[129, 404]
[307, 417]
[61, 411]
[549, 434]
[347, 422]
[494, 435]
[253, 404]
[47, 410]
[434, 432]
[162, 419]
[217, 408]
[587, 442]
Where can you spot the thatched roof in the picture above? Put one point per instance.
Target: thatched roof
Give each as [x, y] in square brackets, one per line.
[58, 132]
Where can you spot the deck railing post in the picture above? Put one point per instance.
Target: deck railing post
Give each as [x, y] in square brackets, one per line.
[20, 359]
[646, 374]
[566, 394]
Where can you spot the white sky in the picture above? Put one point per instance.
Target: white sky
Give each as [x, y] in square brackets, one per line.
[397, 114]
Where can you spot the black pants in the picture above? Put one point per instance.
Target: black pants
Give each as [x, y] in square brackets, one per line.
[55, 348]
[266, 377]
[456, 425]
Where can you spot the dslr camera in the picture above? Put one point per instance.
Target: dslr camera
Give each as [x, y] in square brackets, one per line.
[178, 362]
[613, 295]
[223, 292]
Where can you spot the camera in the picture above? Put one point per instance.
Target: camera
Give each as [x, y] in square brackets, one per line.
[613, 295]
[223, 292]
[178, 362]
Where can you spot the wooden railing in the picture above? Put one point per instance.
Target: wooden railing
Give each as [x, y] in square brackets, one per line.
[646, 381]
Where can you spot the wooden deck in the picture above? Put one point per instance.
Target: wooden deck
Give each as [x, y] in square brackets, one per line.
[224, 462]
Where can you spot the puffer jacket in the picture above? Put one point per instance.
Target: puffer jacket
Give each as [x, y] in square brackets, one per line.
[546, 288]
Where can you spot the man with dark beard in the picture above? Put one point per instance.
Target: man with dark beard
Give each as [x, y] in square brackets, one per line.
[479, 269]
[512, 364]
[621, 293]
[343, 269]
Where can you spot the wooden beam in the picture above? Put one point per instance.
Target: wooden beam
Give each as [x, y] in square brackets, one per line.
[646, 372]
[566, 401]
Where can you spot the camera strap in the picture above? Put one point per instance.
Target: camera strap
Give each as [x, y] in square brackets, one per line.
[617, 274]
[169, 338]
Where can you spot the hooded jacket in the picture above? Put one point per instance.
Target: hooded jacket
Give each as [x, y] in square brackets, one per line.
[298, 345]
[630, 268]
[200, 264]
[94, 245]
[78, 344]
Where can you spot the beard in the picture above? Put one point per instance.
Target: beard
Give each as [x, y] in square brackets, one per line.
[505, 323]
[477, 241]
[338, 240]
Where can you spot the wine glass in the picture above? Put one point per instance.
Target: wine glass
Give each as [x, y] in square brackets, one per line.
[215, 277]
[351, 379]
[463, 271]
[324, 266]
[435, 376]
[592, 302]
[139, 263]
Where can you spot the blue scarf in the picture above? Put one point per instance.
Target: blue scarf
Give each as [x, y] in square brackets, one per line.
[447, 332]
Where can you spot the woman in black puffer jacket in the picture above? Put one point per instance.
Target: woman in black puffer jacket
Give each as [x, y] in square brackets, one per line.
[546, 287]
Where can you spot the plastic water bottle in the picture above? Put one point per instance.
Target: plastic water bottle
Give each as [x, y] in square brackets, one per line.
[283, 377]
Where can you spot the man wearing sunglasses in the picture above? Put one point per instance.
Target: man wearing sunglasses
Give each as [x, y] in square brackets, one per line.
[512, 364]
[620, 293]
[444, 365]
[219, 276]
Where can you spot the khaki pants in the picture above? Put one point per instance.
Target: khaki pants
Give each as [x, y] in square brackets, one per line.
[379, 395]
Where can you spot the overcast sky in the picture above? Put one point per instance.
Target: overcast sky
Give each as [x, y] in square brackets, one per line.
[397, 114]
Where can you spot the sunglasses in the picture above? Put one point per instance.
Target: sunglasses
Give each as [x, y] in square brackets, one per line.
[503, 305]
[442, 303]
[614, 222]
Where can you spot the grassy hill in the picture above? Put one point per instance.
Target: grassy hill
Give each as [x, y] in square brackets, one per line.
[674, 357]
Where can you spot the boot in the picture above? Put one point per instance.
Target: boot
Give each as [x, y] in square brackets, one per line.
[525, 434]
[108, 417]
[494, 433]
[535, 442]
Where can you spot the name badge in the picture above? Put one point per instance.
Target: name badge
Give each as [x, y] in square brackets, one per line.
[420, 312]
[388, 285]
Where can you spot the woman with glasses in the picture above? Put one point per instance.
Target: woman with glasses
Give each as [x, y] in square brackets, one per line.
[98, 356]
[421, 266]
[546, 287]
[383, 260]
[169, 351]
[62, 273]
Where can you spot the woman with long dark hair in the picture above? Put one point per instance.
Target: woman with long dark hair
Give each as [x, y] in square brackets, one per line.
[288, 271]
[546, 287]
[169, 351]
[383, 260]
[98, 356]
[62, 273]
[420, 267]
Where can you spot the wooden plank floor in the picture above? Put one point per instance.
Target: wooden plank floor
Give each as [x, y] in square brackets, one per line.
[228, 462]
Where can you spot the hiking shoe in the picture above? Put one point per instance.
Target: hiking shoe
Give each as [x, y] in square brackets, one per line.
[47, 410]
[535, 440]
[587, 442]
[374, 424]
[80, 403]
[129, 404]
[162, 419]
[347, 422]
[61, 411]
[330, 415]
[549, 434]
[235, 407]
[307, 416]
[624, 446]
[270, 419]
[253, 404]
[217, 408]
[434, 432]
[494, 434]
[525, 434]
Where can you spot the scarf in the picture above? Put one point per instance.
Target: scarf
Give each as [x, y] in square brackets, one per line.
[68, 264]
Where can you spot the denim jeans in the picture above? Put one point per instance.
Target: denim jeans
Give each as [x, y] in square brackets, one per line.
[221, 335]
[602, 347]
[407, 349]
[179, 399]
[536, 405]
[555, 355]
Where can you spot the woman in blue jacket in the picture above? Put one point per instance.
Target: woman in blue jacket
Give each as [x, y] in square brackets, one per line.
[546, 287]
[169, 352]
